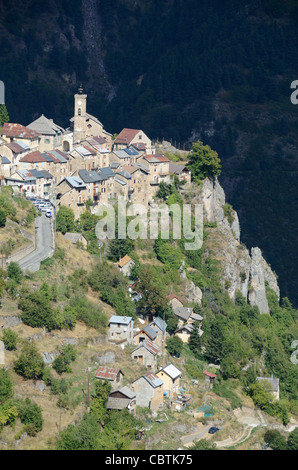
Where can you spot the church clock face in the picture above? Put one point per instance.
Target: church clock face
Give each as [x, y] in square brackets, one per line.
[79, 103]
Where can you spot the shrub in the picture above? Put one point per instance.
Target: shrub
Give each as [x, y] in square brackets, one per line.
[9, 339]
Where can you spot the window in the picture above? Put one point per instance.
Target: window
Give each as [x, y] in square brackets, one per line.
[47, 140]
[79, 112]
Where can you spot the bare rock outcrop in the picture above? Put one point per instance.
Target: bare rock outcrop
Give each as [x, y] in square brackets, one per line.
[243, 271]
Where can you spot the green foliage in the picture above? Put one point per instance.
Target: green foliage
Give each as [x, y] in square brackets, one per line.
[31, 416]
[6, 387]
[61, 363]
[4, 116]
[203, 444]
[119, 248]
[203, 162]
[30, 363]
[37, 311]
[2, 218]
[174, 346]
[9, 338]
[82, 436]
[15, 272]
[87, 312]
[99, 400]
[8, 413]
[65, 219]
[229, 213]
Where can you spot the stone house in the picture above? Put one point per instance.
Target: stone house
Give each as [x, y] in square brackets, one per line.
[121, 399]
[39, 182]
[51, 134]
[72, 192]
[12, 132]
[76, 238]
[125, 264]
[170, 376]
[181, 171]
[137, 180]
[121, 329]
[59, 166]
[92, 181]
[83, 157]
[13, 151]
[113, 375]
[184, 332]
[149, 391]
[5, 166]
[102, 148]
[273, 385]
[158, 166]
[136, 137]
[174, 301]
[146, 354]
[146, 333]
[160, 326]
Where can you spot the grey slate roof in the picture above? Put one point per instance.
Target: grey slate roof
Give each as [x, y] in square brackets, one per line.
[89, 176]
[159, 323]
[45, 126]
[120, 320]
[75, 182]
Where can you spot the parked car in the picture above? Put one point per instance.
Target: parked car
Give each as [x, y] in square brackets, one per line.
[213, 430]
[49, 214]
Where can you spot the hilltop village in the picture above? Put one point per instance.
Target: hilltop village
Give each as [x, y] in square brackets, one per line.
[85, 168]
[84, 162]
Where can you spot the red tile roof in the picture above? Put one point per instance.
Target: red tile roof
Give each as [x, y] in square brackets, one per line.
[33, 157]
[156, 158]
[126, 136]
[212, 376]
[108, 373]
[11, 129]
[174, 296]
[15, 147]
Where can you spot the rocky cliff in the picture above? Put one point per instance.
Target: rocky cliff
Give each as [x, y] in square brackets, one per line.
[245, 271]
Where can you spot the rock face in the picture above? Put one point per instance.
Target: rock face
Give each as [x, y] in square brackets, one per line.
[242, 271]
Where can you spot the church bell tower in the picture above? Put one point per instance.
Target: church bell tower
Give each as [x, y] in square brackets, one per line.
[79, 125]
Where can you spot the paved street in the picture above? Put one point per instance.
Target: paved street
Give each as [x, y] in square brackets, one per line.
[44, 245]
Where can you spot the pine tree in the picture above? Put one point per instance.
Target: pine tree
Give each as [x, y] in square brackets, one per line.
[4, 117]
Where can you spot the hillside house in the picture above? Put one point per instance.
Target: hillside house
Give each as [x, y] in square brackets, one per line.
[12, 132]
[72, 192]
[158, 166]
[125, 264]
[5, 166]
[136, 137]
[58, 162]
[146, 354]
[123, 398]
[39, 182]
[160, 326]
[170, 376]
[209, 377]
[181, 172]
[76, 238]
[50, 133]
[273, 385]
[13, 151]
[120, 329]
[184, 332]
[146, 333]
[102, 148]
[149, 391]
[174, 301]
[137, 183]
[113, 375]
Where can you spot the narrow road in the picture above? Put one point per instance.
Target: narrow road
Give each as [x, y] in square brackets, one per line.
[44, 245]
